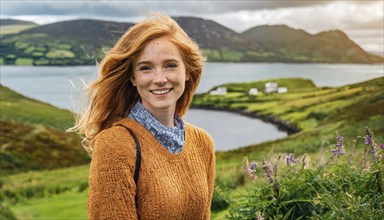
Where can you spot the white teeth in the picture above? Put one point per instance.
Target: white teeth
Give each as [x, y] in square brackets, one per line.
[160, 92]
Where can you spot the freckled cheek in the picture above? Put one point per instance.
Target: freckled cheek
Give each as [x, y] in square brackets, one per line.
[143, 82]
[178, 78]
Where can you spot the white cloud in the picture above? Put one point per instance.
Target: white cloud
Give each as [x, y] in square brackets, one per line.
[338, 15]
[363, 23]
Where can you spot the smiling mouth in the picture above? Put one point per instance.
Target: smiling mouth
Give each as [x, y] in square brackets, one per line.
[161, 92]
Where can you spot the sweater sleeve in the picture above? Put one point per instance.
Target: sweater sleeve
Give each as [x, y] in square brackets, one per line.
[210, 176]
[112, 188]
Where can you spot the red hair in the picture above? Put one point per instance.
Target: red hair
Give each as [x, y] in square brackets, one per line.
[112, 95]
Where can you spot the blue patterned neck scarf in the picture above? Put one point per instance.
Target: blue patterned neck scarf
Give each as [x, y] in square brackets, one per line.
[171, 138]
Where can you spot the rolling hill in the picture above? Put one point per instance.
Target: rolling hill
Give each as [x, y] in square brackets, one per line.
[324, 47]
[11, 26]
[5, 22]
[211, 35]
[84, 41]
[33, 136]
[93, 33]
[321, 113]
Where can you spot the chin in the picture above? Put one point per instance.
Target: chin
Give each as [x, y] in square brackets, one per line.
[164, 105]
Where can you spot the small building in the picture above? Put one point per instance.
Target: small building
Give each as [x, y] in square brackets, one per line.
[282, 90]
[270, 87]
[253, 91]
[219, 91]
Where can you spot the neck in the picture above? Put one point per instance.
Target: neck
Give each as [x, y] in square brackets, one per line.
[165, 117]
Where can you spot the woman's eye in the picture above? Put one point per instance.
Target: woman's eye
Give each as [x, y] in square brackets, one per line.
[144, 68]
[171, 65]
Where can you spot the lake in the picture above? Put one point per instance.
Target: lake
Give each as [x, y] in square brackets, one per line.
[61, 86]
[231, 131]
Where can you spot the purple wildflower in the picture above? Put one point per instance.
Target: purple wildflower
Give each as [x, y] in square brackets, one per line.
[382, 148]
[339, 144]
[252, 170]
[249, 170]
[289, 158]
[338, 152]
[339, 140]
[368, 139]
[253, 165]
[268, 171]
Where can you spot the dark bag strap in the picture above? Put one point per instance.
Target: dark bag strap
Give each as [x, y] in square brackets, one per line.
[138, 155]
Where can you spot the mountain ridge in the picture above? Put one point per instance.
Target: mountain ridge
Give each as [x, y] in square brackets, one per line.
[15, 22]
[77, 39]
[84, 28]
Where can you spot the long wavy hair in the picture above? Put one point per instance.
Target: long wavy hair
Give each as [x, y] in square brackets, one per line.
[112, 95]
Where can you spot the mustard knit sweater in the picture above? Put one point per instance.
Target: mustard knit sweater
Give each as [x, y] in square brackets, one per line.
[170, 186]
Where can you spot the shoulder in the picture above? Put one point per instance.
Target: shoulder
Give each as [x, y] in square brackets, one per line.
[112, 135]
[115, 140]
[200, 135]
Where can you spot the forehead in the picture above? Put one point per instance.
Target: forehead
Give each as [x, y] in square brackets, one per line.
[160, 48]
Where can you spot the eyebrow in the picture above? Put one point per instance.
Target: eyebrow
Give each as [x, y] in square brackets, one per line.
[164, 61]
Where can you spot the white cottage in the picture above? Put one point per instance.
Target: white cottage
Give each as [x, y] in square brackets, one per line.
[219, 91]
[253, 91]
[282, 90]
[270, 87]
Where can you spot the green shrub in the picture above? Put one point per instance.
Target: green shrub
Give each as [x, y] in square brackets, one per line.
[339, 188]
[53, 54]
[24, 61]
[6, 213]
[219, 203]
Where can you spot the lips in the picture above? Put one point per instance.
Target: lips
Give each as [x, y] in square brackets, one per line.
[161, 91]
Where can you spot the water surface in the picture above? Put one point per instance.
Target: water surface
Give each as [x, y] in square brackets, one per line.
[62, 86]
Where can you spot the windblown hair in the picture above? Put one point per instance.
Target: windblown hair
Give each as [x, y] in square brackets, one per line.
[112, 95]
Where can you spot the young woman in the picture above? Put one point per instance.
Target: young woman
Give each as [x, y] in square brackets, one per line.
[146, 84]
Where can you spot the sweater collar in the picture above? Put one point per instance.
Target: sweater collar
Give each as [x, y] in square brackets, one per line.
[172, 138]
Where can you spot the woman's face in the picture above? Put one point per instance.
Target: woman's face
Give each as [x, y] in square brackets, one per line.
[159, 75]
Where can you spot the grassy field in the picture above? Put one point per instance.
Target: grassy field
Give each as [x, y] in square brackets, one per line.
[38, 49]
[14, 29]
[72, 204]
[304, 106]
[18, 108]
[321, 114]
[33, 136]
[52, 194]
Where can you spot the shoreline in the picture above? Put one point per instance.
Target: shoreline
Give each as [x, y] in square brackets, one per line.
[281, 125]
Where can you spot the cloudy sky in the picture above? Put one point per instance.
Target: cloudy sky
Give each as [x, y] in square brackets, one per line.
[362, 21]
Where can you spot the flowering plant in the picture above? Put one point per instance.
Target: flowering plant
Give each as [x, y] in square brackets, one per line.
[340, 188]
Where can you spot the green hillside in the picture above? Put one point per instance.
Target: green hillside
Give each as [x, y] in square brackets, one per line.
[33, 135]
[291, 45]
[83, 42]
[320, 113]
[11, 26]
[304, 106]
[271, 34]
[7, 22]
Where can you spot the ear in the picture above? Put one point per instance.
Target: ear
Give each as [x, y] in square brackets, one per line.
[133, 81]
[187, 76]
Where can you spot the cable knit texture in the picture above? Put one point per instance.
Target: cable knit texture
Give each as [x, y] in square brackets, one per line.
[170, 186]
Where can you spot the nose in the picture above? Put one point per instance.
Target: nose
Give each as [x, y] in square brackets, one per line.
[160, 77]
